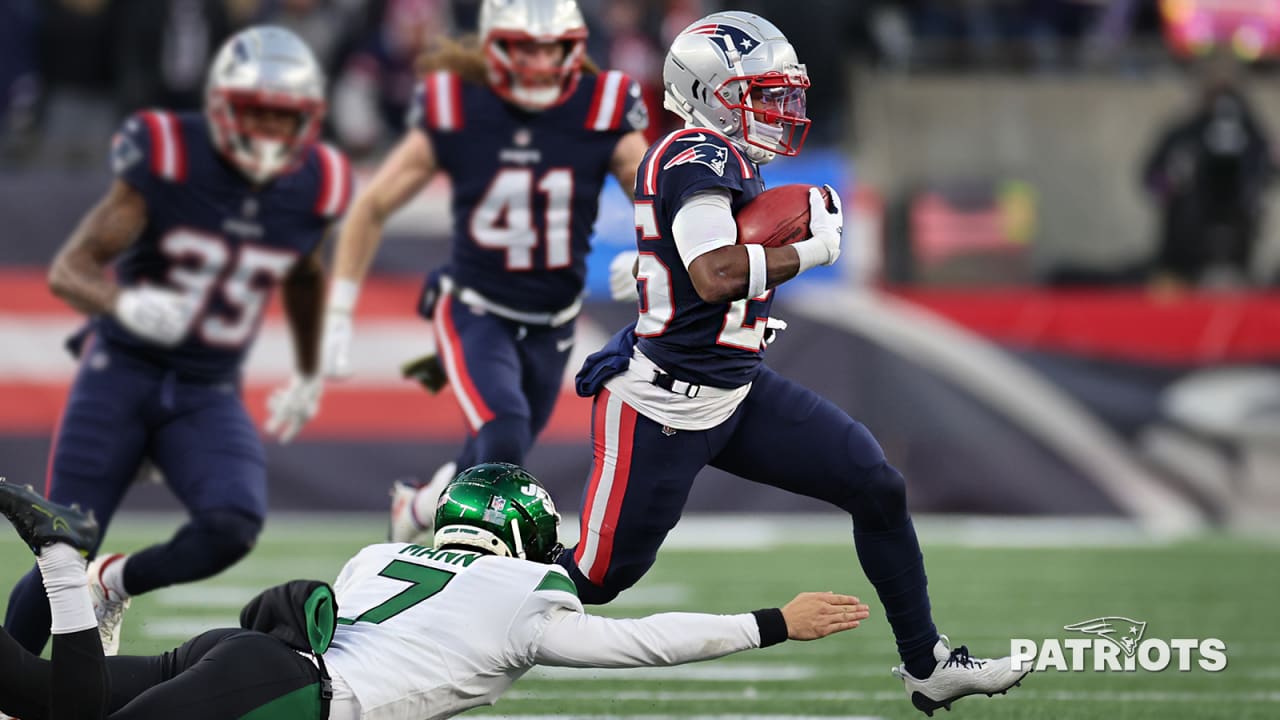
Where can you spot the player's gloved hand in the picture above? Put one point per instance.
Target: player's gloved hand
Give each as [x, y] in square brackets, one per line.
[293, 405]
[622, 279]
[826, 229]
[335, 349]
[156, 314]
[772, 326]
[427, 371]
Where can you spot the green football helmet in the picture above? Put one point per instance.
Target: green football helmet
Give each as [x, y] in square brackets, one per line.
[500, 508]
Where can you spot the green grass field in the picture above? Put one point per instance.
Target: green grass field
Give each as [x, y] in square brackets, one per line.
[1210, 587]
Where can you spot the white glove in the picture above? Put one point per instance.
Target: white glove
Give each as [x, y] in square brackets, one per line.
[335, 348]
[826, 228]
[293, 405]
[622, 283]
[156, 314]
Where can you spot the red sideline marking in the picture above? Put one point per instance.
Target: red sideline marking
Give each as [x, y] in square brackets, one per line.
[355, 413]
[1132, 325]
[26, 290]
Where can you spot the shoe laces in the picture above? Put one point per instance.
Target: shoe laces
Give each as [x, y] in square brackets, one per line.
[960, 656]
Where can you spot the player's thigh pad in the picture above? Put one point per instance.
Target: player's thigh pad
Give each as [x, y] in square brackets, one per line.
[480, 356]
[792, 438]
[211, 455]
[640, 479]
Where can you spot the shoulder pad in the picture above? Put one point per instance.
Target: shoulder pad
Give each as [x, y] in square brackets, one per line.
[150, 142]
[693, 147]
[437, 103]
[336, 182]
[617, 104]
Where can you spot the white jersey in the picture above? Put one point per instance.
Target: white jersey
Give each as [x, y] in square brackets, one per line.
[425, 634]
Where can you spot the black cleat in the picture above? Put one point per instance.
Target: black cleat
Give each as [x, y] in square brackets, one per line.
[42, 522]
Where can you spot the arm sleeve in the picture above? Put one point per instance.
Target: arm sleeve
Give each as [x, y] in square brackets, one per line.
[703, 223]
[576, 639]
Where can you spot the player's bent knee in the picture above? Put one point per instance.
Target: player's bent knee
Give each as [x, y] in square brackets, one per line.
[229, 535]
[881, 503]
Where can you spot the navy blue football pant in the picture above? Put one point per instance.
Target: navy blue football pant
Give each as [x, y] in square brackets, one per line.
[782, 435]
[120, 410]
[217, 675]
[505, 375]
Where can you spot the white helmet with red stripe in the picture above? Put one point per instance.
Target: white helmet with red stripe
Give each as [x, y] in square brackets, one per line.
[504, 22]
[736, 73]
[264, 67]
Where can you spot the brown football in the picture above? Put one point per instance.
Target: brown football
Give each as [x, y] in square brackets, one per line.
[777, 217]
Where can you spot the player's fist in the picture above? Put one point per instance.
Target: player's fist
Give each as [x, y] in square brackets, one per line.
[814, 615]
[292, 406]
[335, 348]
[155, 314]
[826, 225]
[622, 276]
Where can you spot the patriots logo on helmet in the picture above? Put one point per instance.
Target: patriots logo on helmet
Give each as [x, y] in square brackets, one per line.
[729, 37]
[1125, 633]
[709, 154]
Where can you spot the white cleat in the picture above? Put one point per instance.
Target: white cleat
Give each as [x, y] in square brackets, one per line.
[108, 606]
[413, 506]
[958, 675]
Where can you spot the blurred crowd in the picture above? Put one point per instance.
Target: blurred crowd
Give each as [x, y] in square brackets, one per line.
[69, 69]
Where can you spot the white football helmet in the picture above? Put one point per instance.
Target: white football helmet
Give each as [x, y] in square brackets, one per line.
[736, 73]
[264, 67]
[506, 21]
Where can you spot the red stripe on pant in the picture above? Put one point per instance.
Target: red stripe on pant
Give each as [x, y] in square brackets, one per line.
[612, 443]
[475, 410]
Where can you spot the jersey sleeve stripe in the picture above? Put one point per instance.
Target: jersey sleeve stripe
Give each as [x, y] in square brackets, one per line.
[555, 580]
[335, 182]
[651, 167]
[443, 101]
[167, 157]
[742, 162]
[608, 90]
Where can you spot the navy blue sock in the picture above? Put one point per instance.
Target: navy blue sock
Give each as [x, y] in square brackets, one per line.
[209, 544]
[893, 563]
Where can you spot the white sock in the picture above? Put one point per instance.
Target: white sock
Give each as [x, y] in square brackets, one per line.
[62, 569]
[113, 579]
[424, 504]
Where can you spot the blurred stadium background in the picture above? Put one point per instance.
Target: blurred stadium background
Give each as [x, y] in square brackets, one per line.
[1004, 317]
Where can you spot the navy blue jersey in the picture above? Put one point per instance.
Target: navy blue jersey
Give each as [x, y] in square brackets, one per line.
[526, 186]
[211, 233]
[716, 344]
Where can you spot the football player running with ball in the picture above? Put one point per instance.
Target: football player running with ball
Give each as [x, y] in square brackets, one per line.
[527, 133]
[207, 214]
[418, 633]
[685, 387]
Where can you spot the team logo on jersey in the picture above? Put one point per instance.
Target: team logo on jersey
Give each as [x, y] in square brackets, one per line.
[729, 38]
[250, 207]
[522, 137]
[124, 152]
[709, 154]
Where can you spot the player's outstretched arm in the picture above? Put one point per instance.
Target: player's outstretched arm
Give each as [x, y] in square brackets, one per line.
[293, 405]
[408, 169]
[78, 274]
[576, 639]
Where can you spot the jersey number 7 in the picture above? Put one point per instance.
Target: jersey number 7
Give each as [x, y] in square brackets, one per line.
[423, 583]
